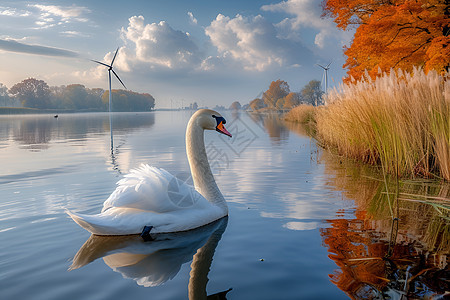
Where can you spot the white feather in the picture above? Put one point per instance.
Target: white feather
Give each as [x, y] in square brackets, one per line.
[150, 196]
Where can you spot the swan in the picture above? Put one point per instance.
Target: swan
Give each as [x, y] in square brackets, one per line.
[150, 199]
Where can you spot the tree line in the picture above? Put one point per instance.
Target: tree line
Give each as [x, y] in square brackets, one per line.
[34, 93]
[279, 96]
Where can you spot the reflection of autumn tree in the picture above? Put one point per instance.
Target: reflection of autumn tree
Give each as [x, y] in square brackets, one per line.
[275, 128]
[394, 34]
[358, 246]
[347, 240]
[364, 273]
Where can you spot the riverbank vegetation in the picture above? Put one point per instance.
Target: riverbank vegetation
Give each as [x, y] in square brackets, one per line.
[408, 226]
[400, 121]
[280, 98]
[36, 94]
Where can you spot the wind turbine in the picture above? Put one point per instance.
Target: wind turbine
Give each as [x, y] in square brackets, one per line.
[110, 69]
[325, 71]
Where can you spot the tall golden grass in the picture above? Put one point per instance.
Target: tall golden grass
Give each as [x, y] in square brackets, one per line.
[303, 114]
[399, 120]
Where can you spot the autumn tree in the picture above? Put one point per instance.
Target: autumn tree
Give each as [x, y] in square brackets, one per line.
[256, 104]
[32, 93]
[277, 90]
[291, 100]
[393, 34]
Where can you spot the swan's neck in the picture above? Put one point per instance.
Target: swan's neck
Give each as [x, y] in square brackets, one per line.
[198, 161]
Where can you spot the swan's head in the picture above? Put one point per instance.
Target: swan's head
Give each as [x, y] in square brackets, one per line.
[211, 120]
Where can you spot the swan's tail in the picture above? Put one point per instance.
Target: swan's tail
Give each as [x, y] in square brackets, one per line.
[102, 224]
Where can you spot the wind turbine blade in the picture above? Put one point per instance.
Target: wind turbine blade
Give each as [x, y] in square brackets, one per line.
[329, 64]
[117, 76]
[101, 63]
[321, 66]
[115, 54]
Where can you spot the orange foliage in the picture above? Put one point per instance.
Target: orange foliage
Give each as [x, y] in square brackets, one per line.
[393, 34]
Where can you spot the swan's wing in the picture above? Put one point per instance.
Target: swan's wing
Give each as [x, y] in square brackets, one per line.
[152, 189]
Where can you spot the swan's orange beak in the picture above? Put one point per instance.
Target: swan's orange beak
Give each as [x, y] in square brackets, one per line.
[220, 128]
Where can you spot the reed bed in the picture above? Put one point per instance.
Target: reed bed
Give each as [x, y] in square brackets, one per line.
[399, 120]
[305, 115]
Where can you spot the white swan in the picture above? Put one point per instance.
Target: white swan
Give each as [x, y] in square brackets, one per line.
[150, 198]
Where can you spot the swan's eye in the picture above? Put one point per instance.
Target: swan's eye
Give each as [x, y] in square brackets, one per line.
[219, 119]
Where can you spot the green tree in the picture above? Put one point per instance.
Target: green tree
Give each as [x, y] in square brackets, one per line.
[77, 95]
[32, 93]
[4, 97]
[312, 93]
[94, 98]
[56, 96]
[123, 100]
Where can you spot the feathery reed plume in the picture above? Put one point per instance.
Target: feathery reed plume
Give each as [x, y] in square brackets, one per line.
[399, 120]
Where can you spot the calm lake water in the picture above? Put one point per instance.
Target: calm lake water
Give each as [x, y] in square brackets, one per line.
[301, 225]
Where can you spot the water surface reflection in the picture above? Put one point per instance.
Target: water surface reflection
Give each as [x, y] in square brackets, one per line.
[153, 263]
[387, 251]
[35, 132]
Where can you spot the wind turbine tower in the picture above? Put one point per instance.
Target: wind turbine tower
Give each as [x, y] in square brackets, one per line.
[110, 69]
[325, 72]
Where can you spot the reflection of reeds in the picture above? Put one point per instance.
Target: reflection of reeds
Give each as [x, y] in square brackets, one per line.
[400, 120]
[423, 206]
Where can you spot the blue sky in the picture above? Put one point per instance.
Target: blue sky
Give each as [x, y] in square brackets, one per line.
[212, 52]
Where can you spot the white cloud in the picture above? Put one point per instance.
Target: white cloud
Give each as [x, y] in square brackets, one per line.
[253, 42]
[13, 12]
[52, 15]
[192, 18]
[72, 33]
[307, 14]
[158, 44]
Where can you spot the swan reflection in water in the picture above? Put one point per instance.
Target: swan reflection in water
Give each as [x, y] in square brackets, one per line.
[152, 263]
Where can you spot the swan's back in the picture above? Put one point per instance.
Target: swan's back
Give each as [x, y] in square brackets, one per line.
[152, 197]
[152, 189]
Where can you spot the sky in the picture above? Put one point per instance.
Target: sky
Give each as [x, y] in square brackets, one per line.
[213, 52]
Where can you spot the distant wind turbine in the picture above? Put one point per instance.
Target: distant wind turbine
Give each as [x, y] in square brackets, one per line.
[325, 72]
[110, 69]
